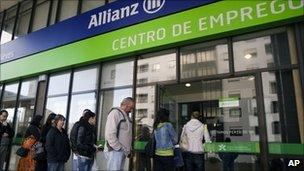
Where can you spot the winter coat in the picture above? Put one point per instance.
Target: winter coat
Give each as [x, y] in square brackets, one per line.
[86, 138]
[195, 132]
[57, 146]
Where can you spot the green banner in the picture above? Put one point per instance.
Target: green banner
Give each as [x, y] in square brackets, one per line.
[200, 23]
[286, 148]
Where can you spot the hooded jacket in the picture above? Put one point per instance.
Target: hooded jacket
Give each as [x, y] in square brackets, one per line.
[195, 132]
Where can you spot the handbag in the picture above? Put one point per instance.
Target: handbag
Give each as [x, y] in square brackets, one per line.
[183, 143]
[150, 146]
[39, 151]
[178, 158]
[22, 152]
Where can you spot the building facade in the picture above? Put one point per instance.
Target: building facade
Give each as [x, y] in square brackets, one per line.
[239, 64]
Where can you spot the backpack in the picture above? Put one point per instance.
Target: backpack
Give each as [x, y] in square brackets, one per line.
[118, 125]
[73, 136]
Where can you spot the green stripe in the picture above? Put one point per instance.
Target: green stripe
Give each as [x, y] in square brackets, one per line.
[100, 47]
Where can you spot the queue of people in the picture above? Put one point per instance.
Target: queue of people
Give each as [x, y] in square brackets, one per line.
[57, 146]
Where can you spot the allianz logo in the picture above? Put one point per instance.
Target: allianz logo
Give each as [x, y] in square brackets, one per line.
[108, 16]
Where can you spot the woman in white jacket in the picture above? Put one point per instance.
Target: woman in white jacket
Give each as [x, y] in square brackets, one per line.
[194, 132]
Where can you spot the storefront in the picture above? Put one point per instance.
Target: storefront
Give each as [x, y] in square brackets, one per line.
[240, 65]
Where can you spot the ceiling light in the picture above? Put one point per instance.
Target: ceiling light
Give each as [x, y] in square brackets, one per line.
[187, 84]
[248, 56]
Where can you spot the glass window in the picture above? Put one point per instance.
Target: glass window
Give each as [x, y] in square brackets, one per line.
[224, 116]
[109, 99]
[54, 11]
[263, 52]
[283, 108]
[204, 59]
[91, 4]
[118, 73]
[68, 9]
[41, 15]
[23, 18]
[59, 84]
[155, 67]
[56, 105]
[9, 100]
[7, 31]
[26, 106]
[80, 102]
[85, 79]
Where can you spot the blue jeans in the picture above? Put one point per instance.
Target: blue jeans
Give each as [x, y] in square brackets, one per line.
[75, 162]
[85, 164]
[55, 166]
[115, 160]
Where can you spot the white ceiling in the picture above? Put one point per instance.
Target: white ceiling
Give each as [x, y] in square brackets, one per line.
[5, 4]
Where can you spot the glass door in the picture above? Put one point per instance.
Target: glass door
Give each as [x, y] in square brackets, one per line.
[228, 107]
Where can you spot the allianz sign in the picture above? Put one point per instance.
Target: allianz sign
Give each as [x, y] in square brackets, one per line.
[108, 16]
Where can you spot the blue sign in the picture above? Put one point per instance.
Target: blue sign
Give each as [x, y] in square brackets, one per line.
[100, 20]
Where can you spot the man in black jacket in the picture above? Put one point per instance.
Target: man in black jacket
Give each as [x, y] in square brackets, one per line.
[6, 134]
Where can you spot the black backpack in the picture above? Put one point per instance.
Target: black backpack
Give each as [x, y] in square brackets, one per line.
[73, 136]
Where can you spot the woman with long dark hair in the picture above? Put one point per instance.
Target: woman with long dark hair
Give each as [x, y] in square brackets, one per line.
[41, 163]
[85, 143]
[165, 139]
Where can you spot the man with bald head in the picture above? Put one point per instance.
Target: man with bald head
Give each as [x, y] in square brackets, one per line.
[118, 134]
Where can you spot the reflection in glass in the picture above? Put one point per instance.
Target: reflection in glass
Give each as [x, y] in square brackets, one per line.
[56, 105]
[80, 102]
[109, 99]
[90, 4]
[26, 107]
[283, 107]
[59, 84]
[8, 25]
[116, 74]
[261, 52]
[155, 67]
[227, 107]
[9, 100]
[145, 103]
[199, 60]
[68, 9]
[85, 79]
[41, 14]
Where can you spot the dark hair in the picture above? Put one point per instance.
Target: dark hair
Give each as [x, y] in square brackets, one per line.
[87, 115]
[196, 114]
[3, 111]
[36, 120]
[50, 118]
[227, 139]
[162, 115]
[57, 118]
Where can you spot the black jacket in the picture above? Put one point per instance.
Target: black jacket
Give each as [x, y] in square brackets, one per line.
[86, 138]
[45, 129]
[6, 129]
[57, 146]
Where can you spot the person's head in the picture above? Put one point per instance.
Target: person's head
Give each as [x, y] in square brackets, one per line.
[89, 117]
[50, 119]
[162, 115]
[3, 115]
[195, 115]
[83, 113]
[127, 104]
[145, 131]
[227, 139]
[59, 121]
[36, 120]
